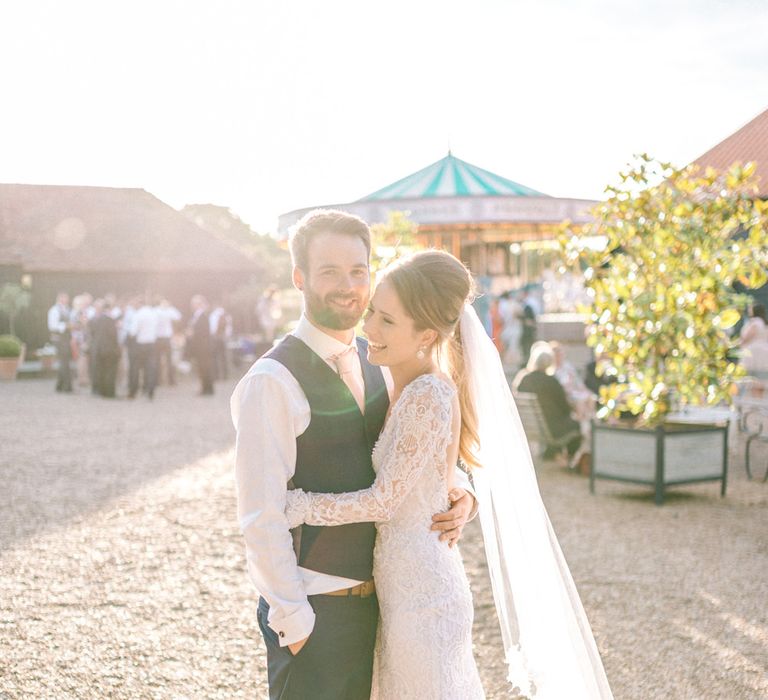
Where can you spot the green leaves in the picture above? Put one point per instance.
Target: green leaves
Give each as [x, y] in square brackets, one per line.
[393, 239]
[661, 291]
[13, 300]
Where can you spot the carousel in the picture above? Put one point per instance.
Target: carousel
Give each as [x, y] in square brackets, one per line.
[504, 231]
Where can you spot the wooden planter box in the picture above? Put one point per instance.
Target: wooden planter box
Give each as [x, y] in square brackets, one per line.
[668, 455]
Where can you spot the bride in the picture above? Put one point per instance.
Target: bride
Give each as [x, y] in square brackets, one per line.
[450, 402]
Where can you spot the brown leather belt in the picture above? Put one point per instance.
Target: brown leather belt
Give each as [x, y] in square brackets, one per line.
[364, 590]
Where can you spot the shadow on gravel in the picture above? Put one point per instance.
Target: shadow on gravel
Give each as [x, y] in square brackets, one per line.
[670, 497]
[66, 455]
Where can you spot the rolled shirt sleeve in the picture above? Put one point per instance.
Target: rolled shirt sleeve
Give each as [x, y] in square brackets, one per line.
[265, 415]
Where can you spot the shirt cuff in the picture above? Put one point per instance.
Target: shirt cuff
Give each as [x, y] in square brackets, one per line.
[294, 627]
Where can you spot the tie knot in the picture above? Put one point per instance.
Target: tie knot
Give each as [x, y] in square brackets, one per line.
[345, 361]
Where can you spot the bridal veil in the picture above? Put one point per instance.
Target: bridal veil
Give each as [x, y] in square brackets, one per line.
[550, 651]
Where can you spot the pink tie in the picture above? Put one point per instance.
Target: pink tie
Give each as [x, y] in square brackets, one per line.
[345, 364]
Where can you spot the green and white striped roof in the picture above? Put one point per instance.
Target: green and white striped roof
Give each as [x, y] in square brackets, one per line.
[451, 177]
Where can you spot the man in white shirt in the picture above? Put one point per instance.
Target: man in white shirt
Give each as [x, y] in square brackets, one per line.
[60, 328]
[220, 323]
[167, 315]
[296, 422]
[144, 331]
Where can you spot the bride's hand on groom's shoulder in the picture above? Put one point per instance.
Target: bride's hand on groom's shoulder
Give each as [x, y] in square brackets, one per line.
[451, 523]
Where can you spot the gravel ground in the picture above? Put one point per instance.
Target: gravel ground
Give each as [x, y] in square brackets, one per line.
[122, 570]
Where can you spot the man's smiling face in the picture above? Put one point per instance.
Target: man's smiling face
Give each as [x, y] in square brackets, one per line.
[337, 284]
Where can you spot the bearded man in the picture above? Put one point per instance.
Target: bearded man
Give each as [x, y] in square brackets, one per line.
[307, 415]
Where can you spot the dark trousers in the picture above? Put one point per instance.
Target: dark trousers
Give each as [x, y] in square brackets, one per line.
[165, 358]
[526, 343]
[64, 356]
[220, 358]
[204, 362]
[105, 374]
[144, 365]
[337, 661]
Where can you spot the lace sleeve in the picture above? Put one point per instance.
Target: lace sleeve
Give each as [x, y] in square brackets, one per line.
[422, 434]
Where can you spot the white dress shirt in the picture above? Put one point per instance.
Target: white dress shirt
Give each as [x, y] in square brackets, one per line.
[166, 315]
[144, 325]
[57, 318]
[269, 411]
[213, 319]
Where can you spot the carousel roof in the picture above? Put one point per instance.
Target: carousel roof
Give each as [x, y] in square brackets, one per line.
[451, 177]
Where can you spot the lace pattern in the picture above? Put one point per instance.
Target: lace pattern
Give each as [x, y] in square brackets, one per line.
[424, 646]
[420, 424]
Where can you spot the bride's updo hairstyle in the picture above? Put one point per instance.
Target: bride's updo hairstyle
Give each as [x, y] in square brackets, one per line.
[433, 287]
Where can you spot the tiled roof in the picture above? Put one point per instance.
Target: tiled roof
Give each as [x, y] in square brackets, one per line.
[750, 143]
[51, 227]
[451, 177]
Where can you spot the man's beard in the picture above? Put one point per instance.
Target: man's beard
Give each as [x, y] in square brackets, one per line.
[319, 310]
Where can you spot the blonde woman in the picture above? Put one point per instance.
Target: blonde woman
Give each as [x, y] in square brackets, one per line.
[451, 402]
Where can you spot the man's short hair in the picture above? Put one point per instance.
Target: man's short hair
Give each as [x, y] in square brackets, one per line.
[319, 221]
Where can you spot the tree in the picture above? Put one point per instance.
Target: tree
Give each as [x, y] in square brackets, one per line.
[661, 290]
[13, 300]
[393, 239]
[272, 260]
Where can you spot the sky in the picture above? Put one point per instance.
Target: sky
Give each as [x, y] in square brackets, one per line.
[265, 107]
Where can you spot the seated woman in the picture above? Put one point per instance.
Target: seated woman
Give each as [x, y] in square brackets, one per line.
[582, 400]
[537, 379]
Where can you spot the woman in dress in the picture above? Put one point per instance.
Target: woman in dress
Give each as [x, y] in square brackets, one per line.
[420, 325]
[754, 341]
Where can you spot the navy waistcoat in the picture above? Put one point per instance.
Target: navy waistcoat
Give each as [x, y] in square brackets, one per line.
[333, 455]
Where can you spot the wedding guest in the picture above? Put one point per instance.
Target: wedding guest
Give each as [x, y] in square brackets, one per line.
[110, 302]
[220, 324]
[497, 325]
[104, 348]
[528, 334]
[269, 313]
[537, 379]
[511, 313]
[144, 330]
[167, 315]
[199, 343]
[754, 341]
[592, 381]
[61, 337]
[127, 338]
[79, 317]
[582, 400]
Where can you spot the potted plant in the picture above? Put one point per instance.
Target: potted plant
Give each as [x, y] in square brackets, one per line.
[13, 300]
[11, 349]
[661, 302]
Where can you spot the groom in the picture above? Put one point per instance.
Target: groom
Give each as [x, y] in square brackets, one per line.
[309, 412]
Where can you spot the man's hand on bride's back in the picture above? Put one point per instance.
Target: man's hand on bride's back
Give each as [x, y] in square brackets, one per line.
[451, 523]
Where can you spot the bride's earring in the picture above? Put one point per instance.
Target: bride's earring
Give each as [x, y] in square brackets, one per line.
[420, 354]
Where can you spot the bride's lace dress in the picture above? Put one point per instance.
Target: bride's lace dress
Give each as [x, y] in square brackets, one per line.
[424, 648]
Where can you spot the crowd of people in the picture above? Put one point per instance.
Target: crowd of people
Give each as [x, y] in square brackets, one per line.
[136, 343]
[510, 320]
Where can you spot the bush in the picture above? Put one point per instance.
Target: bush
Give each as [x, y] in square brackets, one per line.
[662, 289]
[10, 346]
